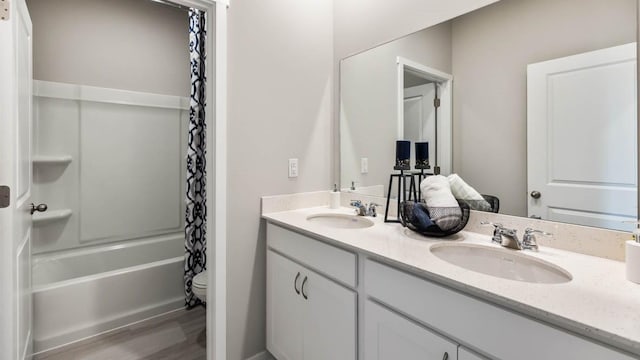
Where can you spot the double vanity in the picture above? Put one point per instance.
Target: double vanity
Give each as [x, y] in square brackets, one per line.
[341, 286]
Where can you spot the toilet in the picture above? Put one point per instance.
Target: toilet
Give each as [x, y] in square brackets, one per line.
[199, 285]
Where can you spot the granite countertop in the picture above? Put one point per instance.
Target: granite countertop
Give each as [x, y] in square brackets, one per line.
[599, 302]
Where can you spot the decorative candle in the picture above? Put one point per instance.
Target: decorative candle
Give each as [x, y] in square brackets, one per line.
[422, 155]
[422, 151]
[403, 154]
[403, 149]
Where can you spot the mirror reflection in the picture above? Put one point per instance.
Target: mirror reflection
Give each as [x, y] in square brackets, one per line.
[531, 101]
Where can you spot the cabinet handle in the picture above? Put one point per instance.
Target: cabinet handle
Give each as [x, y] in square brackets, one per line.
[446, 356]
[304, 282]
[295, 284]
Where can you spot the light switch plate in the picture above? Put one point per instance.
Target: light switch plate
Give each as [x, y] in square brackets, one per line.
[364, 165]
[293, 168]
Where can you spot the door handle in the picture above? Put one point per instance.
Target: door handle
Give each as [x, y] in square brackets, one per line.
[535, 194]
[295, 284]
[446, 356]
[39, 208]
[304, 295]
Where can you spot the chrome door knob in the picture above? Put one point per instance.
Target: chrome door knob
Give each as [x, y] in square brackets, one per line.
[535, 194]
[39, 208]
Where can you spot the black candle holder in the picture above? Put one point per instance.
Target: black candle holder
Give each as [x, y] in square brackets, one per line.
[402, 165]
[402, 192]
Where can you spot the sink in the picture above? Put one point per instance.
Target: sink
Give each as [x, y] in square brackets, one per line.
[506, 264]
[341, 221]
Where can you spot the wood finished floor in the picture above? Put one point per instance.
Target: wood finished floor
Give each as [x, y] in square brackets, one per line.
[178, 335]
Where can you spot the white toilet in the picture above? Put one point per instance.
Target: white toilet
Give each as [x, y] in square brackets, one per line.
[199, 285]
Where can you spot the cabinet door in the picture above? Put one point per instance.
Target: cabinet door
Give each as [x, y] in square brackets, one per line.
[390, 336]
[330, 319]
[284, 308]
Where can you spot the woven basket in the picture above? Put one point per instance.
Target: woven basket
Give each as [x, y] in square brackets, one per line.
[406, 209]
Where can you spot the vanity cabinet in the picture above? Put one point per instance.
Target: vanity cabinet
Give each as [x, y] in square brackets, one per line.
[309, 316]
[391, 336]
[492, 330]
[318, 294]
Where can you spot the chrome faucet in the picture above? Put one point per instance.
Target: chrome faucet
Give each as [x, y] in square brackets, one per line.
[509, 237]
[363, 209]
[505, 237]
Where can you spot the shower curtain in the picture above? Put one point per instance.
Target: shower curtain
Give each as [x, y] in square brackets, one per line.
[196, 210]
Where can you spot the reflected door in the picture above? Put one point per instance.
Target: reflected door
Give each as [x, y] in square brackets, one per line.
[16, 181]
[419, 117]
[581, 138]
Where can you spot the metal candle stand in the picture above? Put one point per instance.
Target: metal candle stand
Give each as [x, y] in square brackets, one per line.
[402, 166]
[414, 187]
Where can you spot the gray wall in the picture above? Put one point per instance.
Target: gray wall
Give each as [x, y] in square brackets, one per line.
[282, 65]
[491, 48]
[125, 44]
[280, 83]
[368, 107]
[359, 25]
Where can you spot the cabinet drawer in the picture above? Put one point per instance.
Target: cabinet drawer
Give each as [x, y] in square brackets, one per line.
[496, 332]
[334, 262]
[391, 336]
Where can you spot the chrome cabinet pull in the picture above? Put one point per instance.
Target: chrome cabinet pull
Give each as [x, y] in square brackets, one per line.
[446, 356]
[295, 284]
[303, 283]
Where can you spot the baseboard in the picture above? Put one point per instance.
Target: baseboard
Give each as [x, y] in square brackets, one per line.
[262, 356]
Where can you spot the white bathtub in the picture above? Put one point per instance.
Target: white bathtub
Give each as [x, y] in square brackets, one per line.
[84, 292]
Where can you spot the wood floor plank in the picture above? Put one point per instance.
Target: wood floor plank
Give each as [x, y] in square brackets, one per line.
[177, 335]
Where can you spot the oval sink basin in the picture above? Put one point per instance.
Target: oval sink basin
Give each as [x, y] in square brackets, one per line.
[506, 264]
[341, 221]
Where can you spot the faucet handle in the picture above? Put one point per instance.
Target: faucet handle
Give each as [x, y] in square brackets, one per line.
[356, 203]
[495, 225]
[529, 241]
[531, 231]
[497, 228]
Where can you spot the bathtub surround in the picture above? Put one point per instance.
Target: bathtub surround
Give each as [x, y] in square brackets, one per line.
[195, 259]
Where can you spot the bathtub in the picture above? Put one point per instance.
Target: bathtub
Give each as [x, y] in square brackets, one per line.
[84, 292]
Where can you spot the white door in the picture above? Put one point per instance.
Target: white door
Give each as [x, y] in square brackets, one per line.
[329, 319]
[419, 117]
[390, 336]
[284, 307]
[15, 175]
[581, 138]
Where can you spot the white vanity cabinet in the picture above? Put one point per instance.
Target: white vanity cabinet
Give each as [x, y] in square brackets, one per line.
[309, 316]
[390, 336]
[318, 294]
[492, 330]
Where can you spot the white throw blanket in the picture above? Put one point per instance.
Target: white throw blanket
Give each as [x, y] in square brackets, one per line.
[436, 191]
[463, 191]
[443, 207]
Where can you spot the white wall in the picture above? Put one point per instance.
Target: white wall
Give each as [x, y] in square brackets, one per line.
[491, 48]
[123, 44]
[280, 83]
[368, 101]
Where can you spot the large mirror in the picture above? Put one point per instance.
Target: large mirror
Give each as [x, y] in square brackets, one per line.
[536, 105]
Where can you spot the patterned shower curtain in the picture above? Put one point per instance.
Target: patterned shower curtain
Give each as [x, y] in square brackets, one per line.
[196, 213]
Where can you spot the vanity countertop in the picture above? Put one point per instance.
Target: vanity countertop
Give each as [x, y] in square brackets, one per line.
[598, 302]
